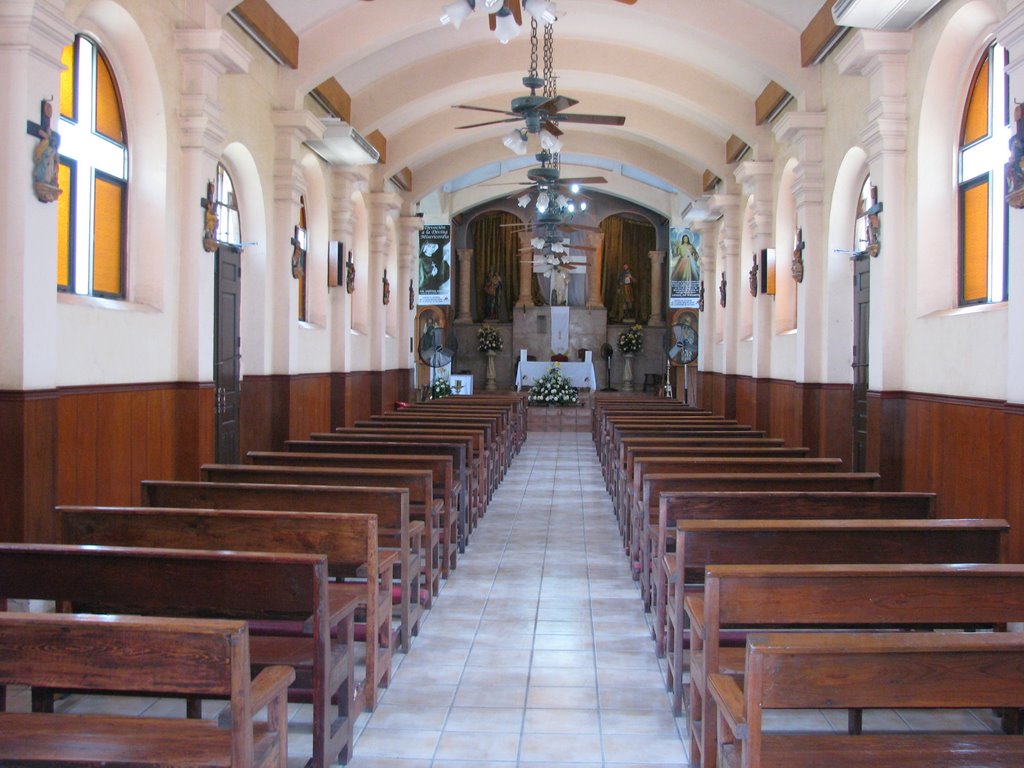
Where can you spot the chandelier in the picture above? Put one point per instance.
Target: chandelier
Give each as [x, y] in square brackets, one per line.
[506, 16]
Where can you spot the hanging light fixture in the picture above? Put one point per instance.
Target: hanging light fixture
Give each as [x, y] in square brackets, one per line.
[457, 12]
[505, 27]
[550, 142]
[542, 201]
[516, 141]
[524, 200]
[542, 10]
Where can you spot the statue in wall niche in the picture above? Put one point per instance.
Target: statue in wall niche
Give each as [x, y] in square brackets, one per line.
[627, 292]
[493, 290]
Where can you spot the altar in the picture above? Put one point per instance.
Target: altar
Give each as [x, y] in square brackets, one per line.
[581, 375]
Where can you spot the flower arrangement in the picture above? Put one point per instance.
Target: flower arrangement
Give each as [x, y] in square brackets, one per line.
[631, 340]
[488, 339]
[553, 388]
[440, 388]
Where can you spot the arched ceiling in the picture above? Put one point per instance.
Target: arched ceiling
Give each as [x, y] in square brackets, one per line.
[684, 73]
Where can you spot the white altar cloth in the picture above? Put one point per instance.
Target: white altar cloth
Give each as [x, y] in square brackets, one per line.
[579, 374]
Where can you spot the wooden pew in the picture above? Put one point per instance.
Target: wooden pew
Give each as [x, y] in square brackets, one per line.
[440, 467]
[855, 597]
[271, 569]
[394, 532]
[460, 452]
[515, 402]
[880, 670]
[500, 415]
[422, 505]
[769, 505]
[700, 543]
[656, 484]
[610, 449]
[159, 655]
[476, 453]
[615, 428]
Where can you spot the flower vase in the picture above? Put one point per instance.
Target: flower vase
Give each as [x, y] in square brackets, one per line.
[627, 372]
[490, 376]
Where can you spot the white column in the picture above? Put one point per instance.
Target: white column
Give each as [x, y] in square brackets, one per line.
[32, 36]
[1011, 35]
[804, 131]
[756, 177]
[206, 56]
[728, 205]
[657, 289]
[465, 315]
[383, 206]
[408, 256]
[708, 249]
[291, 129]
[595, 300]
[881, 57]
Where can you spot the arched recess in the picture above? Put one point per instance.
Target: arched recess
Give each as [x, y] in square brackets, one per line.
[629, 236]
[127, 49]
[495, 245]
[839, 310]
[934, 262]
[785, 232]
[317, 227]
[255, 321]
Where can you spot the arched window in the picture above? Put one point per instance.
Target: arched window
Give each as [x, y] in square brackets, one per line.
[984, 138]
[92, 213]
[229, 228]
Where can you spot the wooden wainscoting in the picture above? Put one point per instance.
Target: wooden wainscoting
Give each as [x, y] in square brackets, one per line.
[28, 452]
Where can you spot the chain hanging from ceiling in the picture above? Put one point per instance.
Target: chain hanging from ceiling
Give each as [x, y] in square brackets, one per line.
[550, 79]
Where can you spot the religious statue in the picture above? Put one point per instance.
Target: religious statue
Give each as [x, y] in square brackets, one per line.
[493, 290]
[797, 265]
[721, 290]
[387, 289]
[210, 219]
[412, 296]
[45, 156]
[1015, 165]
[700, 297]
[350, 274]
[753, 277]
[299, 253]
[627, 291]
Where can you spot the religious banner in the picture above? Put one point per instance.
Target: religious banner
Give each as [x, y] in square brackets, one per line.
[684, 268]
[435, 265]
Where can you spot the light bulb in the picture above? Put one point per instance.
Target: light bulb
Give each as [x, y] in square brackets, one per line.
[542, 202]
[491, 5]
[542, 10]
[575, 189]
[457, 12]
[537, 242]
[583, 205]
[572, 207]
[550, 142]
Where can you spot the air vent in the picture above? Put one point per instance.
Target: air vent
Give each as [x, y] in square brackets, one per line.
[343, 145]
[881, 14]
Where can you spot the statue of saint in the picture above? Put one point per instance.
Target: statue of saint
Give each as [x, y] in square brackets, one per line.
[627, 292]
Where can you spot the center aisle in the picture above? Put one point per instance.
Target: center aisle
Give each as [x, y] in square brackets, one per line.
[537, 651]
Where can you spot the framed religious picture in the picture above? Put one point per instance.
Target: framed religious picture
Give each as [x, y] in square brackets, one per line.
[435, 265]
[684, 268]
[335, 249]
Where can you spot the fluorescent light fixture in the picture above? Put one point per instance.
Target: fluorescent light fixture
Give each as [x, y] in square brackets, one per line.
[505, 27]
[516, 141]
[542, 10]
[550, 142]
[457, 12]
[524, 200]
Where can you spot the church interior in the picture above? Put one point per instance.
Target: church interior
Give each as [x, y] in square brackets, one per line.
[237, 229]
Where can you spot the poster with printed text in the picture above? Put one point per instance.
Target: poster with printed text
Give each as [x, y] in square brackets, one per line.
[435, 265]
[684, 268]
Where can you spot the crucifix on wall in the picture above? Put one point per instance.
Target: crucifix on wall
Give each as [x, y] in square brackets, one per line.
[46, 155]
[797, 265]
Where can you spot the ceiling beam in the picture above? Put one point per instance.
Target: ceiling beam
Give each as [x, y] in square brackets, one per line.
[269, 30]
[334, 99]
[820, 36]
[735, 148]
[710, 181]
[403, 179]
[380, 143]
[771, 101]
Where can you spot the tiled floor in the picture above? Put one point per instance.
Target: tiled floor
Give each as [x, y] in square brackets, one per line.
[537, 652]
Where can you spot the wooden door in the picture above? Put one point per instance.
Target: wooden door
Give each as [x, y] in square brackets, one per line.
[226, 351]
[861, 307]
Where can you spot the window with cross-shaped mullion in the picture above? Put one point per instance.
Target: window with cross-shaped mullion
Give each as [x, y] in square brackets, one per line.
[93, 174]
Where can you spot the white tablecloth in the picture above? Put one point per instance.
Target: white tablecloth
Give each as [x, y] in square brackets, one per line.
[580, 374]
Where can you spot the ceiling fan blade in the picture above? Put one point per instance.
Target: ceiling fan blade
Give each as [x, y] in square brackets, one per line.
[517, 10]
[551, 128]
[489, 122]
[492, 21]
[626, 2]
[579, 247]
[556, 104]
[592, 119]
[579, 228]
[484, 109]
[584, 180]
